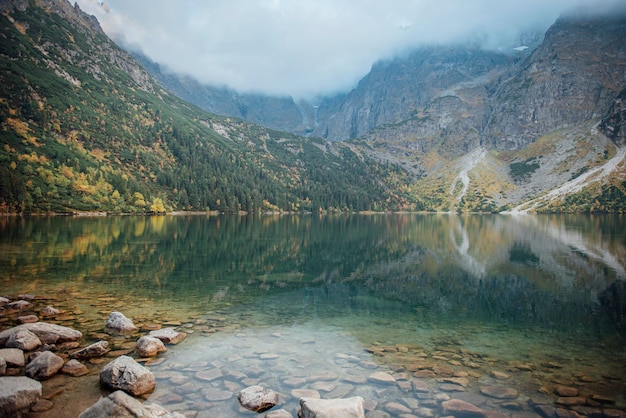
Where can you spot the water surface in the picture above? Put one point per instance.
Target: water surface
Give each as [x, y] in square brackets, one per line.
[322, 302]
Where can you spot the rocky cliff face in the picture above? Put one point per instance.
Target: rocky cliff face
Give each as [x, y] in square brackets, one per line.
[573, 76]
[614, 124]
[412, 88]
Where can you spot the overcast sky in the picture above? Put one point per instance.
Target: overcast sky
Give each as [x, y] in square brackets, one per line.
[307, 47]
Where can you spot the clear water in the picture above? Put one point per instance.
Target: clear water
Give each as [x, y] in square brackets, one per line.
[322, 302]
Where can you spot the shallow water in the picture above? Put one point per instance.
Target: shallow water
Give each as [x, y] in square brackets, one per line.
[322, 303]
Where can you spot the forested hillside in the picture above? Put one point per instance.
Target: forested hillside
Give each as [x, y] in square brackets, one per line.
[83, 127]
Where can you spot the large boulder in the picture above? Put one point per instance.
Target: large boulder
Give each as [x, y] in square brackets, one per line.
[149, 346]
[257, 398]
[119, 404]
[333, 408]
[24, 340]
[118, 323]
[44, 366]
[18, 395]
[168, 335]
[47, 333]
[126, 374]
[92, 351]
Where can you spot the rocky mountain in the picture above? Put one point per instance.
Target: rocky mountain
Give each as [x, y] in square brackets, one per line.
[86, 127]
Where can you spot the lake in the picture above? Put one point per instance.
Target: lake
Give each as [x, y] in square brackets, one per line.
[441, 306]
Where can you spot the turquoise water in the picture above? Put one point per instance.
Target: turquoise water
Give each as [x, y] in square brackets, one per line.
[285, 299]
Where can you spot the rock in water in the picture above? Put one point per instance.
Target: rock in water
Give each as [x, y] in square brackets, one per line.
[257, 398]
[94, 350]
[126, 374]
[13, 357]
[168, 335]
[18, 395]
[47, 333]
[49, 311]
[149, 346]
[44, 366]
[333, 408]
[119, 404]
[119, 323]
[24, 340]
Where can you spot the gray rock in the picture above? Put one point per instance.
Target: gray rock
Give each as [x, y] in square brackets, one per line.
[257, 398]
[4, 301]
[14, 357]
[18, 395]
[168, 335]
[117, 322]
[92, 351]
[24, 340]
[459, 408]
[333, 408]
[44, 366]
[126, 374]
[3, 366]
[119, 404]
[149, 346]
[47, 333]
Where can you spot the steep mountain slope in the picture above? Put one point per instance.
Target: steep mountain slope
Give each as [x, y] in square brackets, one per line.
[573, 76]
[84, 127]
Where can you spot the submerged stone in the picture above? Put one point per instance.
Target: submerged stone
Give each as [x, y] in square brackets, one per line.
[499, 392]
[459, 408]
[335, 408]
[382, 378]
[168, 335]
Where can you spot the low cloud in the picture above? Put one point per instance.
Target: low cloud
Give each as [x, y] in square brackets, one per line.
[307, 47]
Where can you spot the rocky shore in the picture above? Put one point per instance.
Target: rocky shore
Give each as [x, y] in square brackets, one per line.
[56, 362]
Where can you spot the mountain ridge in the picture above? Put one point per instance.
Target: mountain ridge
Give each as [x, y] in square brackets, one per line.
[86, 127]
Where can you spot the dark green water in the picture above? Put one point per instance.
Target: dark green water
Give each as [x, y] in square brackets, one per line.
[531, 289]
